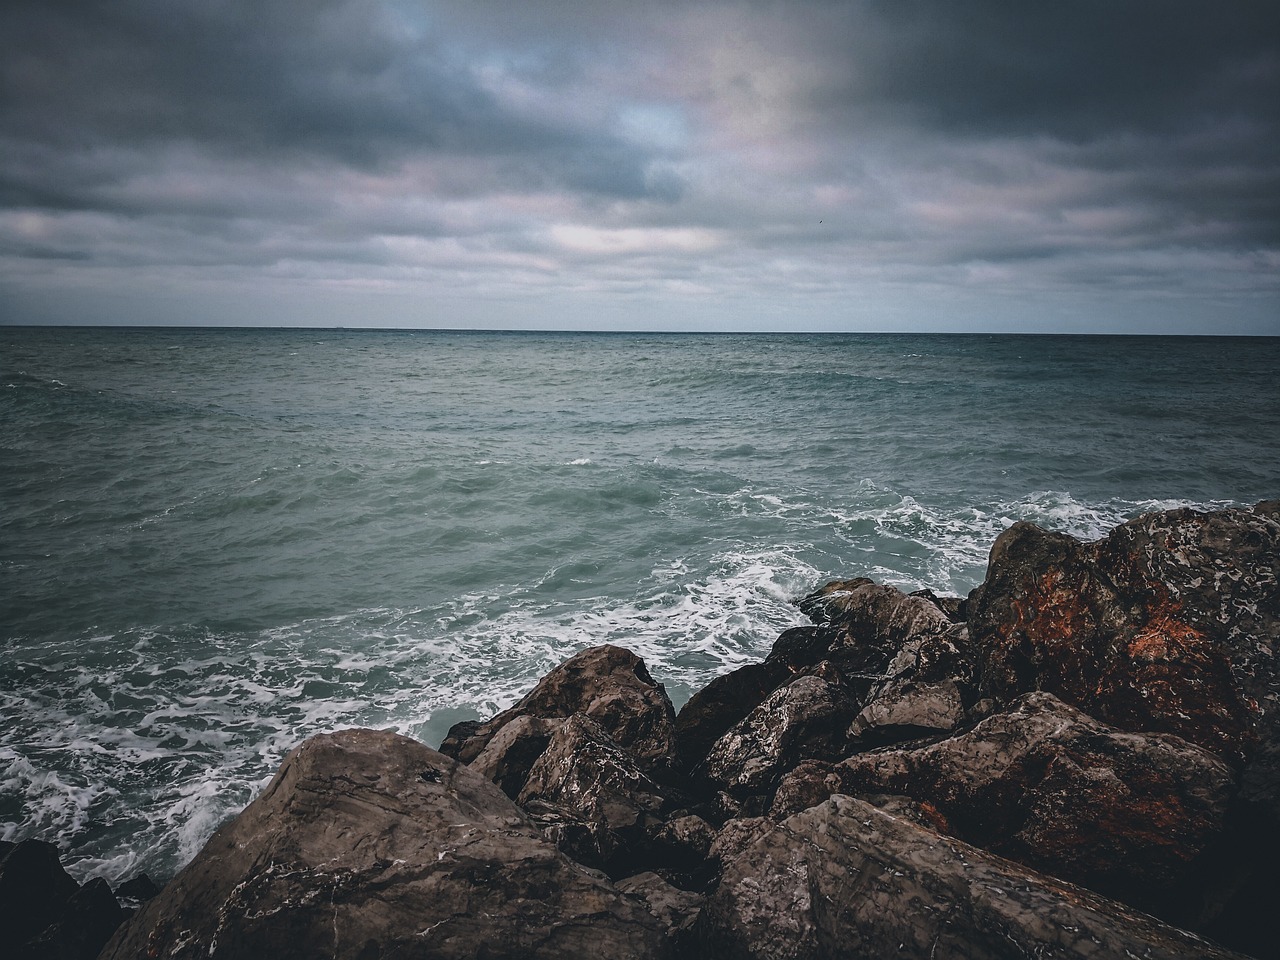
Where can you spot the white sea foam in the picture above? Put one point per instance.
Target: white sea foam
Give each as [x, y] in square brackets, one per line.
[194, 737]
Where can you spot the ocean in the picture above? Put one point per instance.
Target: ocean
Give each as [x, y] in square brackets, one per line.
[215, 543]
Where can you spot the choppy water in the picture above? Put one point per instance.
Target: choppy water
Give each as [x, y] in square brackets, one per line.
[215, 543]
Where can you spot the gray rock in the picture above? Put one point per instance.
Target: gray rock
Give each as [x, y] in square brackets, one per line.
[871, 622]
[847, 881]
[726, 700]
[368, 844]
[736, 836]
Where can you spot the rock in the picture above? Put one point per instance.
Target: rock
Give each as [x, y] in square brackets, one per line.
[577, 839]
[1169, 624]
[860, 627]
[87, 922]
[725, 701]
[683, 848]
[870, 622]
[586, 774]
[511, 753]
[807, 784]
[608, 684]
[847, 880]
[44, 913]
[903, 710]
[806, 718]
[1125, 814]
[720, 705]
[736, 836]
[138, 889]
[368, 844]
[954, 608]
[34, 890]
[674, 908]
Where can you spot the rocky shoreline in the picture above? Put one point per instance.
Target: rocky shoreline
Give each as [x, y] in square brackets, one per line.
[1079, 759]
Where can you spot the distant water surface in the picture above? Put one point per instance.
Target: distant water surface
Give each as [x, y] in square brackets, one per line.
[216, 543]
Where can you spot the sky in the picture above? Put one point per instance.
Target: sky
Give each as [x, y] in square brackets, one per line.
[869, 165]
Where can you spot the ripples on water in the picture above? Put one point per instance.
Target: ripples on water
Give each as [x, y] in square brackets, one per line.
[215, 543]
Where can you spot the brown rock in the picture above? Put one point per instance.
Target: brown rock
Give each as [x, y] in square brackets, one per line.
[674, 908]
[725, 701]
[904, 710]
[1125, 814]
[368, 844]
[511, 753]
[584, 773]
[846, 880]
[608, 684]
[806, 718]
[870, 622]
[1169, 624]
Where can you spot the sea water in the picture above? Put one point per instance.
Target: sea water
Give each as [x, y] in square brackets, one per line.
[215, 543]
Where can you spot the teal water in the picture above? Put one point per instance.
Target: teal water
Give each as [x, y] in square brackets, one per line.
[215, 543]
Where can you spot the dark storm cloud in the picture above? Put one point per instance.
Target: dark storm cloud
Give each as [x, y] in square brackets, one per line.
[320, 81]
[690, 149]
[1075, 70]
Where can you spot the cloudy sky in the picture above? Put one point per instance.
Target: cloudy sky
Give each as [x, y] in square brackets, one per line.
[863, 165]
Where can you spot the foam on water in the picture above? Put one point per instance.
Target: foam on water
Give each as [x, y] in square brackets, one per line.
[199, 736]
[196, 724]
[208, 554]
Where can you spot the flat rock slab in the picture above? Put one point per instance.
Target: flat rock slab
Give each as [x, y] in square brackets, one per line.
[847, 881]
[368, 844]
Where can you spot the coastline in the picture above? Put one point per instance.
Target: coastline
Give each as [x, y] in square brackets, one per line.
[1093, 731]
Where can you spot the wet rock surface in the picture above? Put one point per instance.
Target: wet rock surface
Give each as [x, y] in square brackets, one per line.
[845, 879]
[367, 844]
[1125, 814]
[610, 685]
[1087, 742]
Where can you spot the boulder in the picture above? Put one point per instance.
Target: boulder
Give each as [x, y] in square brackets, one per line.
[1128, 815]
[903, 710]
[683, 847]
[1169, 624]
[806, 718]
[44, 913]
[34, 889]
[715, 709]
[511, 753]
[869, 623]
[608, 684]
[859, 627]
[138, 889]
[729, 698]
[955, 608]
[674, 908]
[584, 773]
[848, 880]
[368, 844]
[87, 921]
